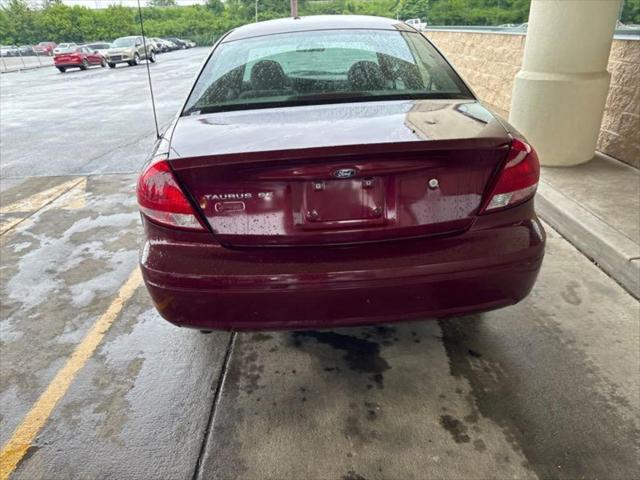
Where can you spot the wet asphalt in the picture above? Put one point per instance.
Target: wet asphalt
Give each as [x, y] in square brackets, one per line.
[549, 388]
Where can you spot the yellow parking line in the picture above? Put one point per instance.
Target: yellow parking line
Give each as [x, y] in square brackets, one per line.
[40, 199]
[37, 202]
[23, 436]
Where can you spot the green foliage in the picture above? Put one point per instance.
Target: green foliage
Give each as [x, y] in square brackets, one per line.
[413, 9]
[631, 12]
[20, 24]
[216, 6]
[162, 3]
[478, 12]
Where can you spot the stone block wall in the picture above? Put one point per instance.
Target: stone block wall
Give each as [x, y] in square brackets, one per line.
[620, 128]
[490, 61]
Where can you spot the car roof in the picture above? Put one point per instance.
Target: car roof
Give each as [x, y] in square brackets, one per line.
[316, 22]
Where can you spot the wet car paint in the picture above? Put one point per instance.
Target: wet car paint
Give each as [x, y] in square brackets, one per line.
[262, 178]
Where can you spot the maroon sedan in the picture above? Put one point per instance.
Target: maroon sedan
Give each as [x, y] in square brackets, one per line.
[78, 57]
[335, 170]
[45, 48]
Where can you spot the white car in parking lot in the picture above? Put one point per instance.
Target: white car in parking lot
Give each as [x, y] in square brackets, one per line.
[9, 51]
[416, 23]
[64, 48]
[100, 47]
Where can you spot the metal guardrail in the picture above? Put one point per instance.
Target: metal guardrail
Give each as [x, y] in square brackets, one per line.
[15, 62]
[631, 32]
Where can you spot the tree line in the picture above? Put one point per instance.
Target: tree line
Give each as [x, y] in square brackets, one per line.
[21, 24]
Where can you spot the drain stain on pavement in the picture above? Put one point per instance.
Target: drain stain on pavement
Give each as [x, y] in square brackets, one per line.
[456, 428]
[361, 355]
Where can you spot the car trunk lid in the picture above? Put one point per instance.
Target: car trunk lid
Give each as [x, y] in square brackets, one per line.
[406, 180]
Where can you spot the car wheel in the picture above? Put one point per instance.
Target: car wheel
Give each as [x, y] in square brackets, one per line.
[62, 69]
[103, 63]
[136, 60]
[112, 65]
[152, 56]
[84, 65]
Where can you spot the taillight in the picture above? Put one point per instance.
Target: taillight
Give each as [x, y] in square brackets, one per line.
[161, 199]
[519, 177]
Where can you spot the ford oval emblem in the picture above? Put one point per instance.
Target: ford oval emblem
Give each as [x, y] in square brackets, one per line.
[345, 173]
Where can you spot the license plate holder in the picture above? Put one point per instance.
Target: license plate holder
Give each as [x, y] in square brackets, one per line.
[343, 203]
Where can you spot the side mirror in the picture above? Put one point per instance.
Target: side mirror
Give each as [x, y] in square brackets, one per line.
[138, 44]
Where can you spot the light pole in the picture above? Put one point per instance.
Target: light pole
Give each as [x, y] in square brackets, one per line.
[294, 8]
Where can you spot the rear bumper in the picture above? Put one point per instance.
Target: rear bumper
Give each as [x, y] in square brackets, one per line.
[206, 286]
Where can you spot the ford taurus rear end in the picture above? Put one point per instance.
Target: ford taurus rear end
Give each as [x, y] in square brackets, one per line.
[331, 171]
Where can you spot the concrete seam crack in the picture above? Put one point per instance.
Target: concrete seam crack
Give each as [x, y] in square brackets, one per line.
[216, 399]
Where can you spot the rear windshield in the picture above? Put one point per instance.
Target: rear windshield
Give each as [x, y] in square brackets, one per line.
[327, 66]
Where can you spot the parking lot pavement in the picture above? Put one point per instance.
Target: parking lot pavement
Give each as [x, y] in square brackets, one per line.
[546, 389]
[84, 122]
[94, 384]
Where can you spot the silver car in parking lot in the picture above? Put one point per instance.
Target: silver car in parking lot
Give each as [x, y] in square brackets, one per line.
[64, 48]
[130, 50]
[101, 47]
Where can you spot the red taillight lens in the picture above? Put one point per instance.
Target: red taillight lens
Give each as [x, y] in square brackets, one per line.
[519, 178]
[161, 199]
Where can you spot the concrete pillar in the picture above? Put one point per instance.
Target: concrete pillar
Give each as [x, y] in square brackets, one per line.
[559, 95]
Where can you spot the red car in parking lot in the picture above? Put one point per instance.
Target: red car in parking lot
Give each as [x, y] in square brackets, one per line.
[78, 57]
[335, 170]
[45, 48]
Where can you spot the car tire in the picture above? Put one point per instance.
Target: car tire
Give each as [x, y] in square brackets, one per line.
[135, 61]
[84, 65]
[62, 69]
[103, 63]
[152, 56]
[112, 65]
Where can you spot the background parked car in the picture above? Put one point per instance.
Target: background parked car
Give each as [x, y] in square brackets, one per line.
[180, 43]
[9, 51]
[26, 50]
[159, 45]
[172, 46]
[130, 50]
[101, 47]
[45, 48]
[79, 57]
[64, 47]
[416, 23]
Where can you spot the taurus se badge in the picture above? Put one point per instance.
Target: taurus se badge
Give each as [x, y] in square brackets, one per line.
[344, 172]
